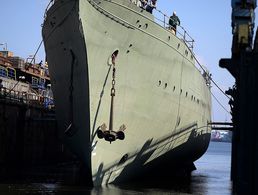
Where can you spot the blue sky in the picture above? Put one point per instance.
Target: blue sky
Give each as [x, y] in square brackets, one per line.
[208, 22]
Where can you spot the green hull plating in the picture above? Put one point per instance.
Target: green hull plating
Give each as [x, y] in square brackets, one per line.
[161, 98]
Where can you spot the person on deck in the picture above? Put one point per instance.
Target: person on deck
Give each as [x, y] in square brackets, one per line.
[151, 6]
[139, 3]
[142, 4]
[174, 22]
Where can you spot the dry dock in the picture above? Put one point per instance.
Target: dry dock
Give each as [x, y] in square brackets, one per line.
[30, 145]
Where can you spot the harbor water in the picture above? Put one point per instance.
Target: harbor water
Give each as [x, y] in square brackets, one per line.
[211, 177]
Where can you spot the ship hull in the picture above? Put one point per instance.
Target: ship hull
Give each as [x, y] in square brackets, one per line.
[159, 95]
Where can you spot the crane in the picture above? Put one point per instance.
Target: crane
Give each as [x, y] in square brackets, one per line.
[243, 17]
[243, 102]
[242, 22]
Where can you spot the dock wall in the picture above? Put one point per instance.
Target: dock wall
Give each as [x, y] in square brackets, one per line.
[244, 106]
[30, 146]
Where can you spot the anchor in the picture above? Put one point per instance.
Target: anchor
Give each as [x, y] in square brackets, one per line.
[110, 135]
[102, 131]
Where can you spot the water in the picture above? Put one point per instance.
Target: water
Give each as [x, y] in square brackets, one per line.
[211, 177]
[213, 170]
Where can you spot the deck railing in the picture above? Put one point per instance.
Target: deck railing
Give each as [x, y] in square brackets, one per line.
[26, 98]
[163, 20]
[160, 19]
[51, 2]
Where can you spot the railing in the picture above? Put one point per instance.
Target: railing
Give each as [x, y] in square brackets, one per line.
[163, 23]
[162, 19]
[51, 2]
[26, 98]
[180, 31]
[183, 34]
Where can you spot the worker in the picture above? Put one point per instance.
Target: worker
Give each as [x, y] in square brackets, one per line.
[173, 22]
[151, 6]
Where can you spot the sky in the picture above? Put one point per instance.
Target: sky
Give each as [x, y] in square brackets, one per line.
[208, 22]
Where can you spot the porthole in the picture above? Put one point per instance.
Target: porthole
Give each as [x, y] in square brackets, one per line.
[192, 57]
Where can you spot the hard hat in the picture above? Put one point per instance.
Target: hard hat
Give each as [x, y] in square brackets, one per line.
[174, 12]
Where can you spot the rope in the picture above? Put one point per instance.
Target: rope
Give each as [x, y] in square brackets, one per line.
[36, 51]
[215, 85]
[219, 103]
[30, 62]
[219, 88]
[211, 78]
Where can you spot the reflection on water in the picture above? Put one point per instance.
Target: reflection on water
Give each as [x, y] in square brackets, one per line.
[211, 177]
[213, 170]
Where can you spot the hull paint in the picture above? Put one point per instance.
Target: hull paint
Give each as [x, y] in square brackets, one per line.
[160, 96]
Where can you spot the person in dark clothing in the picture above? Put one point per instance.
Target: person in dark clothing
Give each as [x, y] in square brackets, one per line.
[151, 6]
[143, 4]
[174, 22]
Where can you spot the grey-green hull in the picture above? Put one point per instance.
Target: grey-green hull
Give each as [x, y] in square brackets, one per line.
[160, 96]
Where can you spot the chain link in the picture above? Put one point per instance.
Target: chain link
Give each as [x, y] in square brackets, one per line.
[113, 90]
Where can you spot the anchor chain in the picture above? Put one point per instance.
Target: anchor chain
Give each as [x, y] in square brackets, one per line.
[102, 132]
[113, 90]
[112, 94]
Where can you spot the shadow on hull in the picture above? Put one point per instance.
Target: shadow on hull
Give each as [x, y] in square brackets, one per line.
[171, 168]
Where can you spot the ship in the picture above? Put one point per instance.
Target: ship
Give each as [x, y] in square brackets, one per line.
[24, 81]
[129, 95]
[221, 136]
